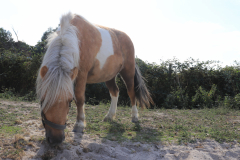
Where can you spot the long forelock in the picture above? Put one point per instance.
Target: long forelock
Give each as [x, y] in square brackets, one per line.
[61, 57]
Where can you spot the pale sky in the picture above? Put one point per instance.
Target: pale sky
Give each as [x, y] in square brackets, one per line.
[159, 29]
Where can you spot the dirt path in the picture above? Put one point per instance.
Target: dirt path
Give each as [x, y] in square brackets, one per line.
[84, 146]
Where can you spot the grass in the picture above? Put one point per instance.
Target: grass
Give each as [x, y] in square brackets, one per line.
[165, 125]
[9, 93]
[156, 125]
[12, 129]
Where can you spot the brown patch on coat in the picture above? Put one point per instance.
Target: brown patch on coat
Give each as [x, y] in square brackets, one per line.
[90, 42]
[43, 71]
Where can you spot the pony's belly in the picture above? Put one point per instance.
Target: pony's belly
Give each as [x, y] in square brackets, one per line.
[99, 78]
[105, 73]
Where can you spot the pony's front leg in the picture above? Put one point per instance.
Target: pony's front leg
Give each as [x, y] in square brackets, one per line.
[80, 100]
[81, 122]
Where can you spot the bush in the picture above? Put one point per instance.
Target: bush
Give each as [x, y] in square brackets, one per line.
[203, 97]
[19, 71]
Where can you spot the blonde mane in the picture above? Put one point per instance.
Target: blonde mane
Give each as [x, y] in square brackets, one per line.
[61, 57]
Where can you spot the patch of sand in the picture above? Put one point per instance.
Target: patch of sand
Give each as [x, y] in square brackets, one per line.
[85, 147]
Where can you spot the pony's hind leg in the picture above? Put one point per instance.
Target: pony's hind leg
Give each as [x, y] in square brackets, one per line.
[114, 91]
[128, 78]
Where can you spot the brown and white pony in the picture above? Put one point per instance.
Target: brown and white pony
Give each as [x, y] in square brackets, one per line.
[80, 52]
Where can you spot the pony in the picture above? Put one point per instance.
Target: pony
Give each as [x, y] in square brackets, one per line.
[78, 53]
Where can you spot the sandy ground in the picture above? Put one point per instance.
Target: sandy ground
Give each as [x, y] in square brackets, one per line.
[87, 147]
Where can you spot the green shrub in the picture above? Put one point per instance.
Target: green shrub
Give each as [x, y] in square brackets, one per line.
[18, 71]
[237, 101]
[177, 98]
[203, 97]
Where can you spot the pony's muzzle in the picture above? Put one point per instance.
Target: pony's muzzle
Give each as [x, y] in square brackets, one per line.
[55, 140]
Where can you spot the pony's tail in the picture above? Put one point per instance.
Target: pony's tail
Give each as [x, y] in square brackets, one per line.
[142, 94]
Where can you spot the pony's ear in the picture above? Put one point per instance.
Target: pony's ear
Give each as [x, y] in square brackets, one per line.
[43, 71]
[74, 73]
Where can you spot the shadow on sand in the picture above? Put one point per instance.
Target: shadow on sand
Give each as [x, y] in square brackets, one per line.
[133, 131]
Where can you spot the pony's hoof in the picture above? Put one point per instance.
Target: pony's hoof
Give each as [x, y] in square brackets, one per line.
[78, 129]
[134, 119]
[107, 119]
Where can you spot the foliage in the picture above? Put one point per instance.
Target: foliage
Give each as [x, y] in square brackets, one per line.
[19, 64]
[232, 102]
[191, 84]
[203, 97]
[18, 71]
[6, 40]
[46, 33]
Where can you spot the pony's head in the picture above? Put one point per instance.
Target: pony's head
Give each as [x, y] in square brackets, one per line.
[54, 110]
[56, 77]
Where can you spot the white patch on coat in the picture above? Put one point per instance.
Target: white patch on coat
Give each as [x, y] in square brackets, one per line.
[134, 111]
[106, 48]
[113, 108]
[80, 124]
[82, 115]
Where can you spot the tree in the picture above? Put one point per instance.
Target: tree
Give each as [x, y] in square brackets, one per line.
[6, 40]
[46, 33]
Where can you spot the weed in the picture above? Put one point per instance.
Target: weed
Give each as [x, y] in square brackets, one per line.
[10, 130]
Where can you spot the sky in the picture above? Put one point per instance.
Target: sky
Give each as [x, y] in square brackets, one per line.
[159, 29]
